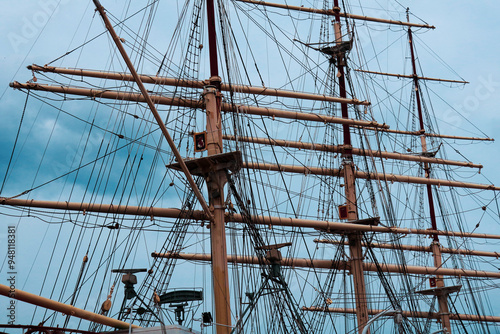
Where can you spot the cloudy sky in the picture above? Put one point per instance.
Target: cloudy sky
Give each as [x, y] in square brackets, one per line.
[465, 39]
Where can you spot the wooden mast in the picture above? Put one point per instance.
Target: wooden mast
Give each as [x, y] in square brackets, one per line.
[436, 247]
[215, 185]
[356, 250]
[215, 181]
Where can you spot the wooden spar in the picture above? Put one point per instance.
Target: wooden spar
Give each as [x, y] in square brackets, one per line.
[410, 314]
[338, 265]
[152, 107]
[163, 100]
[330, 12]
[63, 308]
[342, 228]
[416, 248]
[108, 94]
[144, 211]
[152, 212]
[364, 175]
[44, 329]
[435, 135]
[411, 76]
[289, 262]
[157, 80]
[355, 151]
[303, 116]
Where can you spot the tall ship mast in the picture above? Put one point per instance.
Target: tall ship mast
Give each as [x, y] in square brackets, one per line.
[244, 166]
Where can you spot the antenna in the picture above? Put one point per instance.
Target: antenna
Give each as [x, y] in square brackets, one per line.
[179, 299]
[129, 279]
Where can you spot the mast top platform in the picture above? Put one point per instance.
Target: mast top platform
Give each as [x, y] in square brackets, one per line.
[213, 163]
[441, 291]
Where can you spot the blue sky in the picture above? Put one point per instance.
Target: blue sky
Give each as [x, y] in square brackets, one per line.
[466, 39]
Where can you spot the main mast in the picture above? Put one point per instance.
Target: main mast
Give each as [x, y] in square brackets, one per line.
[355, 247]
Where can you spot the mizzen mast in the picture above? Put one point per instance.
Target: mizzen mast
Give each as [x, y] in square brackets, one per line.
[439, 288]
